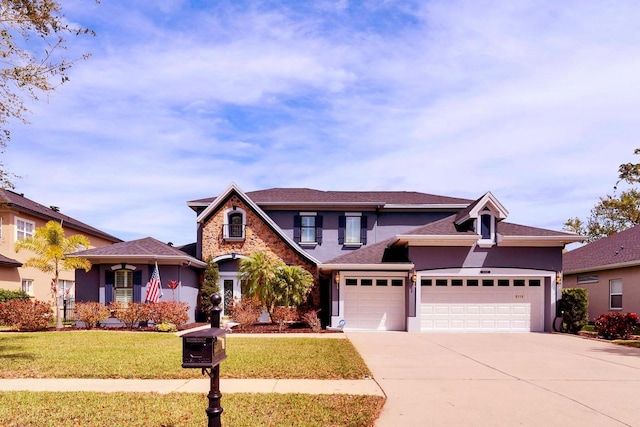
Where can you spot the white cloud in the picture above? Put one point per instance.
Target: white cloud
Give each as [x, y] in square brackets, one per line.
[533, 101]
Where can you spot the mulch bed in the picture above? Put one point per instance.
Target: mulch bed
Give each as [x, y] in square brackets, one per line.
[268, 328]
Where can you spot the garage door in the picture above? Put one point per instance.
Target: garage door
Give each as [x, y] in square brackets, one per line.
[374, 304]
[482, 304]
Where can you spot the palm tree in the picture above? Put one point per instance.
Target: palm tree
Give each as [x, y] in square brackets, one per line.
[51, 248]
[273, 282]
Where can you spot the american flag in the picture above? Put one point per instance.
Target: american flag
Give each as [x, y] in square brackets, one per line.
[154, 287]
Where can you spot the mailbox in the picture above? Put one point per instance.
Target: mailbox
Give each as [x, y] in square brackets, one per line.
[204, 349]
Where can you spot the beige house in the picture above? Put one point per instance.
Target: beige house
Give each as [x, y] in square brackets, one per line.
[609, 269]
[19, 217]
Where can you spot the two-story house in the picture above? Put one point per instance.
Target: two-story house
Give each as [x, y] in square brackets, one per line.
[393, 260]
[19, 217]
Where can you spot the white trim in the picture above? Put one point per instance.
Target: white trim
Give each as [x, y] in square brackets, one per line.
[123, 266]
[308, 213]
[229, 256]
[380, 268]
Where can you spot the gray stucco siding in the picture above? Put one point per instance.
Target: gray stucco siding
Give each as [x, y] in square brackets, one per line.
[429, 258]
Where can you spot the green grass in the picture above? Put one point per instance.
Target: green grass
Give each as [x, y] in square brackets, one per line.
[628, 343]
[118, 354]
[181, 409]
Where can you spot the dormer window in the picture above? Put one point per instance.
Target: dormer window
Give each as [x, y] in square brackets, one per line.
[486, 228]
[235, 222]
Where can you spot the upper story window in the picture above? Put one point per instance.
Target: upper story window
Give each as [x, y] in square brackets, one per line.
[24, 229]
[307, 228]
[352, 229]
[234, 225]
[486, 228]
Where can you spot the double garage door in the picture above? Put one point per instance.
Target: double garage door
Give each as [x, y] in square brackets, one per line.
[482, 304]
[374, 304]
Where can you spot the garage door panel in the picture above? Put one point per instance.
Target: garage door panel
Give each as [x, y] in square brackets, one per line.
[483, 309]
[374, 307]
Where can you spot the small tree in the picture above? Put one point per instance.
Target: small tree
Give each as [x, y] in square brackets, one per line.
[273, 282]
[51, 248]
[210, 285]
[574, 305]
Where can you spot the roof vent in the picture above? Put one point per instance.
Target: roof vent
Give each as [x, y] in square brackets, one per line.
[55, 208]
[170, 244]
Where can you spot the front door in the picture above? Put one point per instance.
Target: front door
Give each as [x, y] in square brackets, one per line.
[230, 287]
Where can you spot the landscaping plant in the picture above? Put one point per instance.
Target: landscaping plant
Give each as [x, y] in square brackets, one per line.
[574, 304]
[616, 325]
[131, 314]
[311, 318]
[26, 315]
[245, 311]
[91, 313]
[7, 295]
[174, 312]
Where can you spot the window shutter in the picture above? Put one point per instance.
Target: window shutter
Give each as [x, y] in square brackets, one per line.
[342, 224]
[109, 279]
[363, 230]
[296, 228]
[137, 286]
[319, 229]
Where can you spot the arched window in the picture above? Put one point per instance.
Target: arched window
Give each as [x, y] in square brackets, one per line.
[234, 225]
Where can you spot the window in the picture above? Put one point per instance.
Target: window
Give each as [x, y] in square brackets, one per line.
[351, 282]
[27, 286]
[123, 286]
[456, 282]
[486, 228]
[24, 229]
[234, 226]
[382, 282]
[472, 282]
[66, 289]
[503, 282]
[615, 294]
[352, 229]
[534, 282]
[425, 282]
[397, 282]
[441, 282]
[518, 282]
[366, 282]
[487, 282]
[307, 228]
[586, 278]
[0, 227]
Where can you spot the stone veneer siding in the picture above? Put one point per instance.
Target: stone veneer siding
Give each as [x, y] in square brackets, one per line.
[259, 237]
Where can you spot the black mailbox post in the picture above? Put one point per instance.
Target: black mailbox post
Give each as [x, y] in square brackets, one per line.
[205, 350]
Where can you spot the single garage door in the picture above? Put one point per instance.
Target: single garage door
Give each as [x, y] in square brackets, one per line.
[374, 304]
[482, 304]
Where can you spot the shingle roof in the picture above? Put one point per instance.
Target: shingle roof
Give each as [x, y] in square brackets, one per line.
[147, 246]
[377, 253]
[307, 195]
[21, 203]
[9, 262]
[620, 248]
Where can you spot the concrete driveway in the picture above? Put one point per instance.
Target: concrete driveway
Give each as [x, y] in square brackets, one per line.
[534, 379]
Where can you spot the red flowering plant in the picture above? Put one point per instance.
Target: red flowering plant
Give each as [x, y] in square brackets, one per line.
[173, 284]
[616, 325]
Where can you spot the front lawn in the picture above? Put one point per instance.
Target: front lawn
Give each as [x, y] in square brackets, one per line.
[182, 409]
[118, 354]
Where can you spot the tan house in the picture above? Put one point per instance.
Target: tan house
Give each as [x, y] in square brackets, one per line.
[609, 269]
[19, 217]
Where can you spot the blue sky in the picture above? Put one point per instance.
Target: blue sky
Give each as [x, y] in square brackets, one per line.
[535, 101]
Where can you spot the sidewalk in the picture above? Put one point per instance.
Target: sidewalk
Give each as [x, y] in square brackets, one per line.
[365, 386]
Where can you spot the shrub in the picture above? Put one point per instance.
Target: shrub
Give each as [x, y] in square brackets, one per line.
[166, 327]
[574, 304]
[132, 314]
[91, 313]
[245, 311]
[613, 326]
[26, 315]
[284, 315]
[7, 295]
[312, 320]
[169, 312]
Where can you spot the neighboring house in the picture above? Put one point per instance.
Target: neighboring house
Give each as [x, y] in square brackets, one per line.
[609, 269]
[121, 272]
[393, 260]
[19, 217]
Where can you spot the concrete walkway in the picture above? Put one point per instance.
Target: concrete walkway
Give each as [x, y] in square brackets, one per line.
[365, 386]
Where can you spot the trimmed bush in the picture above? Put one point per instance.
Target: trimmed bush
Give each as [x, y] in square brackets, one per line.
[245, 311]
[284, 315]
[91, 313]
[612, 326]
[132, 314]
[26, 315]
[7, 295]
[174, 312]
[574, 305]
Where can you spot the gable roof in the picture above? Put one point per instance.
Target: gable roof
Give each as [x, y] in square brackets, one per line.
[618, 250]
[374, 199]
[445, 233]
[475, 208]
[234, 189]
[143, 250]
[17, 201]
